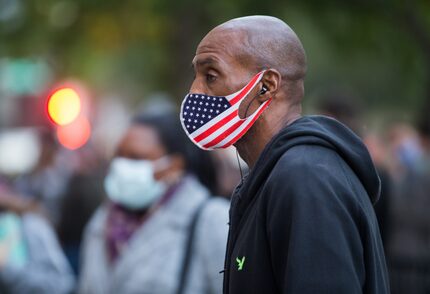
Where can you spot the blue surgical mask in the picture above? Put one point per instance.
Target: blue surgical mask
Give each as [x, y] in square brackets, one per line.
[131, 183]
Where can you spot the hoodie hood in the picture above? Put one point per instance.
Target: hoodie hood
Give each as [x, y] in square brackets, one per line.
[316, 130]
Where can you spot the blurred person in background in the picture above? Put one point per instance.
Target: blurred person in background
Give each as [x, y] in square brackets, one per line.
[60, 180]
[378, 151]
[48, 180]
[342, 106]
[160, 231]
[346, 109]
[409, 245]
[83, 194]
[405, 149]
[424, 135]
[31, 260]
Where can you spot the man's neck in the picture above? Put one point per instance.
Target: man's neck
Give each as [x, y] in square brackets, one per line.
[253, 143]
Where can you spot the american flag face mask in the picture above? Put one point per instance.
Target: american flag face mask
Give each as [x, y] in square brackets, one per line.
[213, 122]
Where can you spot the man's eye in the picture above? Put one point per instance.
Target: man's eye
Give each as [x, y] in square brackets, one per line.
[210, 78]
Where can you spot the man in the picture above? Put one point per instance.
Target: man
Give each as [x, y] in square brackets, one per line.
[302, 221]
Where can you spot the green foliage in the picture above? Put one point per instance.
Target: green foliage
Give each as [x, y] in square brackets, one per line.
[379, 50]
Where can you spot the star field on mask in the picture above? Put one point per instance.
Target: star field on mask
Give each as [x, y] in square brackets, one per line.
[198, 109]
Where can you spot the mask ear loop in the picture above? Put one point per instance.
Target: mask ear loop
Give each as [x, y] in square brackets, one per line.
[237, 153]
[249, 104]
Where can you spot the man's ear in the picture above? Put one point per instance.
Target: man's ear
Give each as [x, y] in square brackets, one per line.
[270, 83]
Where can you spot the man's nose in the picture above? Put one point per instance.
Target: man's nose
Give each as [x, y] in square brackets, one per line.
[197, 87]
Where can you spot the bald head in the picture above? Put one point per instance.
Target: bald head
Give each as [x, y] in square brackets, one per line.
[232, 53]
[264, 42]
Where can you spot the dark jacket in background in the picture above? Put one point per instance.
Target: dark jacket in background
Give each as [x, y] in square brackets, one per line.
[303, 221]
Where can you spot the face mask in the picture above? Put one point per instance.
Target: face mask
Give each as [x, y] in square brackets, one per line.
[131, 183]
[213, 122]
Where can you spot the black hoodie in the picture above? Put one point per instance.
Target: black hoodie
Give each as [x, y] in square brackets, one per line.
[303, 221]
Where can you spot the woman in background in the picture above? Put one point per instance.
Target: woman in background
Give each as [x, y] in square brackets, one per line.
[160, 231]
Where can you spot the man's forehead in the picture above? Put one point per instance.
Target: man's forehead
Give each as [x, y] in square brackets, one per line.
[218, 45]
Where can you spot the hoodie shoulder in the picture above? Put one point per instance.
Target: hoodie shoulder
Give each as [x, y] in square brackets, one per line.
[332, 139]
[316, 173]
[308, 159]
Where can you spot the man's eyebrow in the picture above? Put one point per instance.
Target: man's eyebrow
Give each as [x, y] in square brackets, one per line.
[202, 62]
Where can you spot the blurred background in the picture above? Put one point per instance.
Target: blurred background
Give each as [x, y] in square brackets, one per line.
[74, 72]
